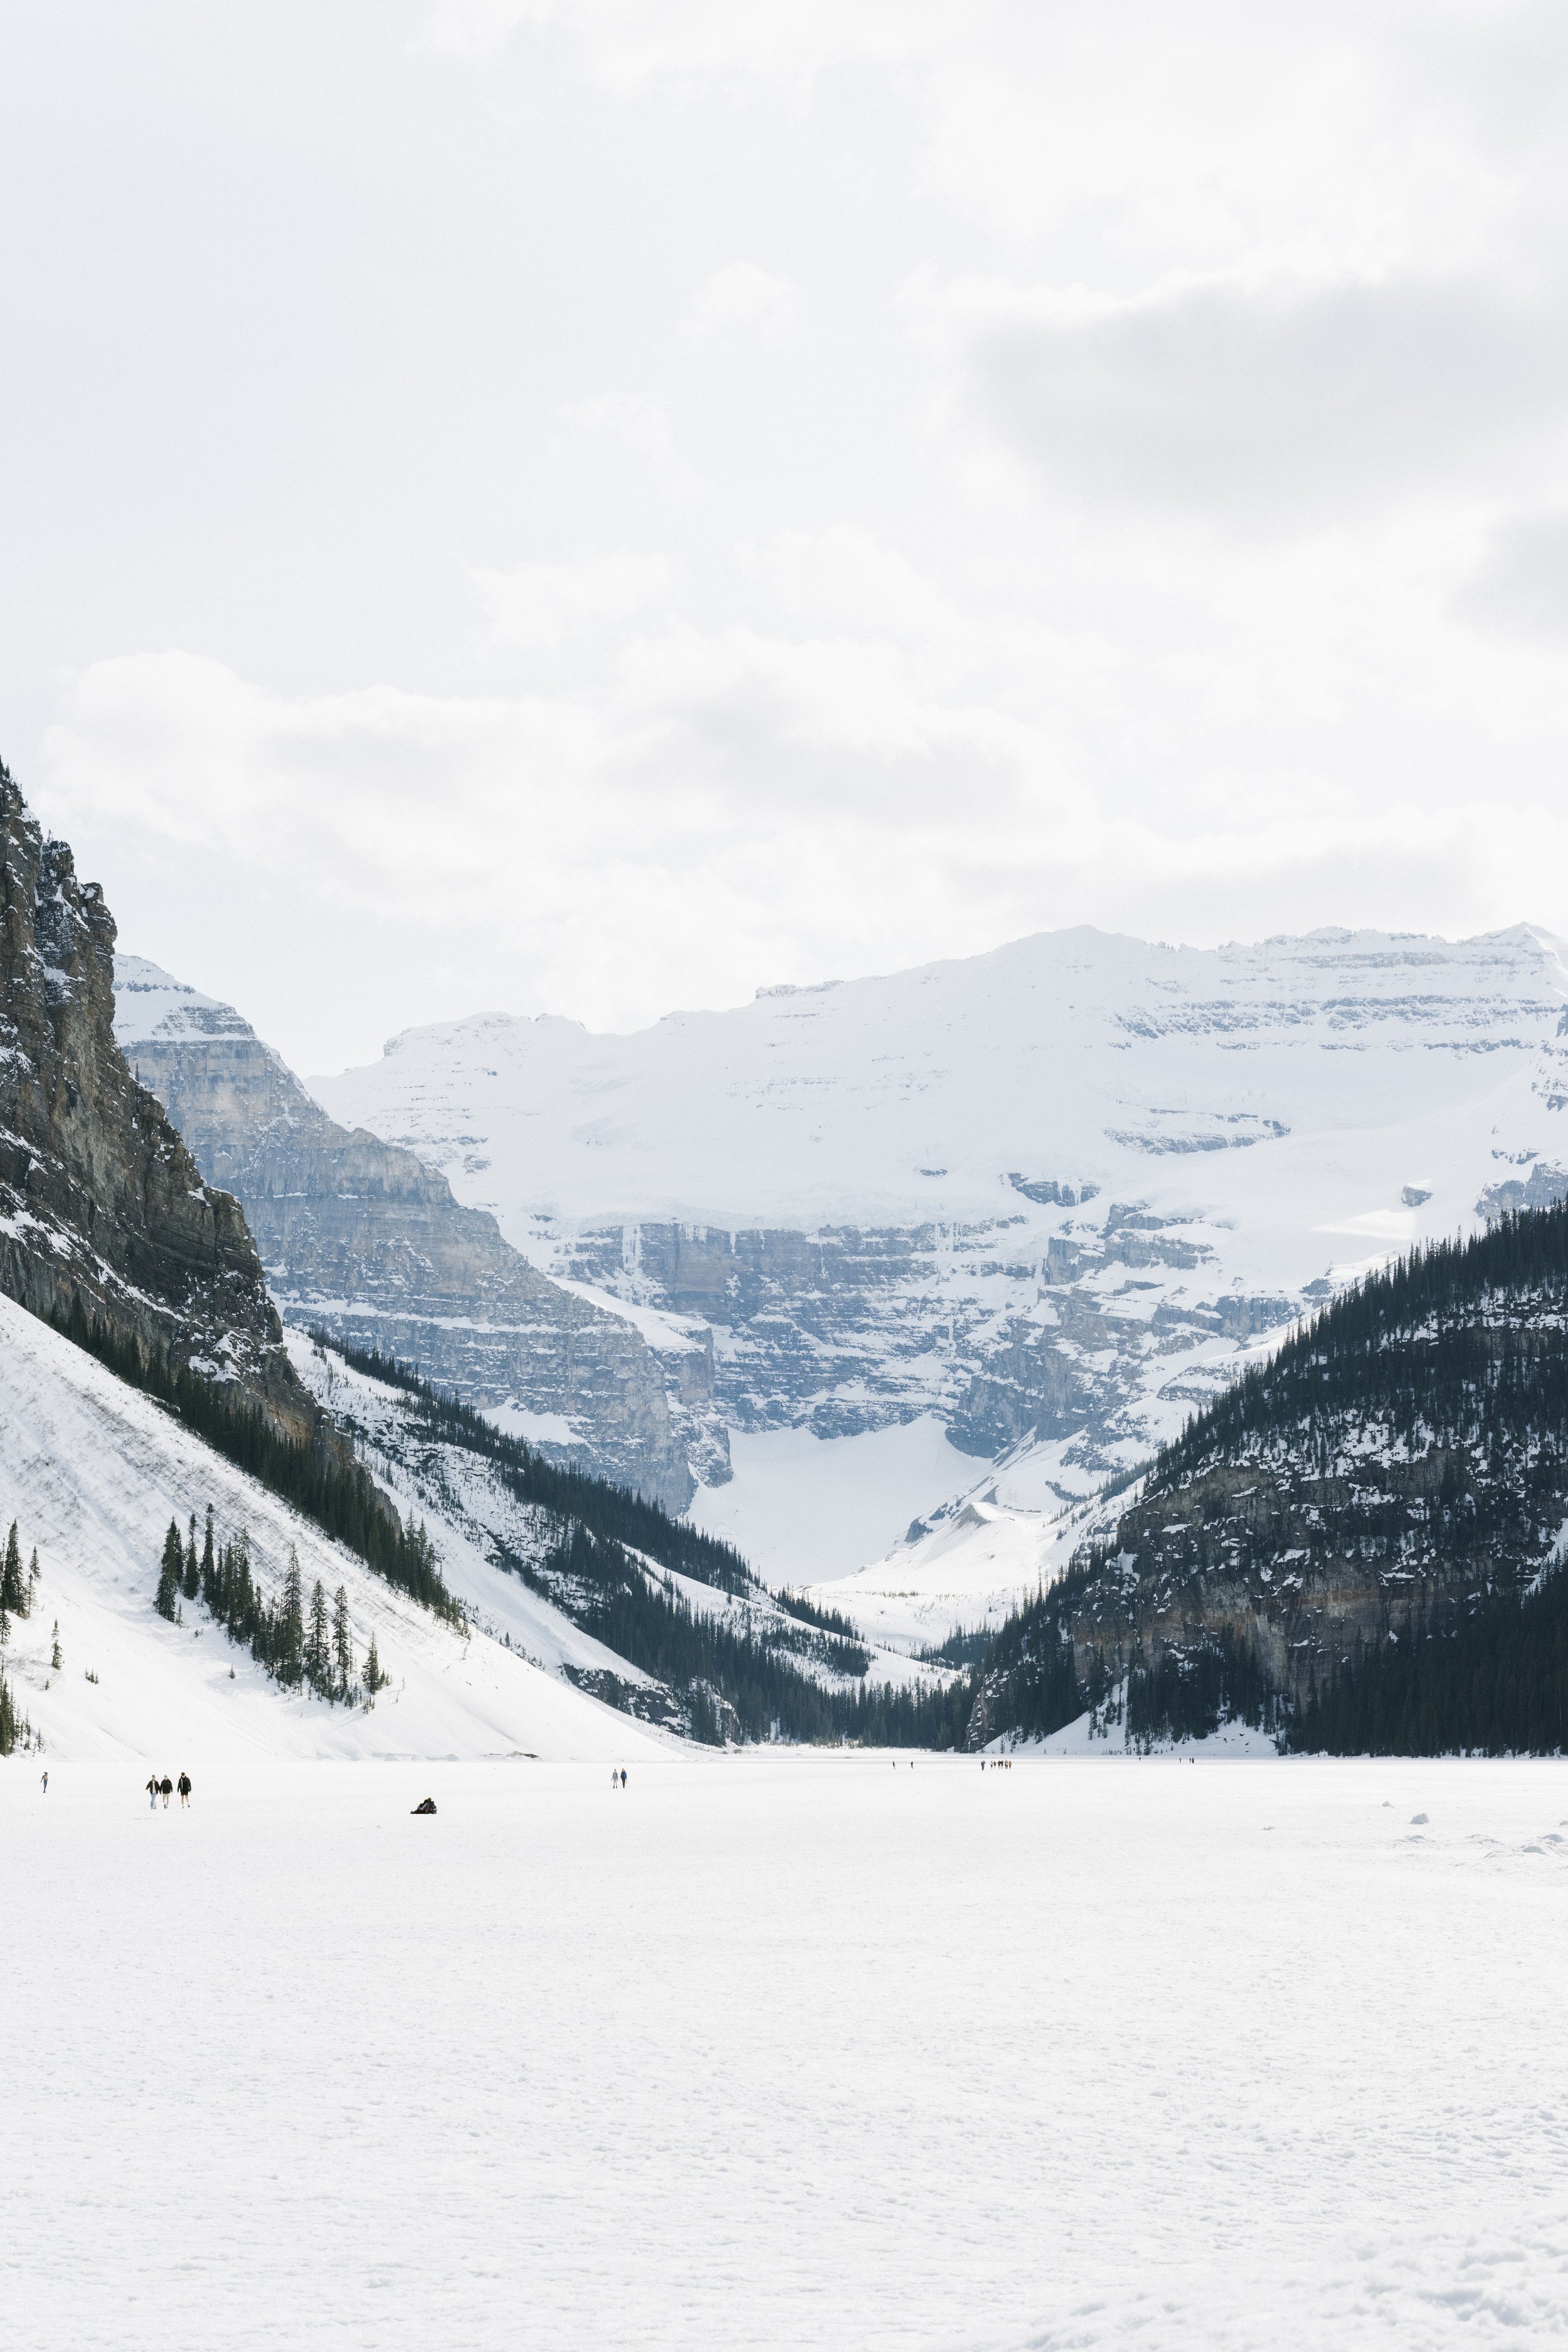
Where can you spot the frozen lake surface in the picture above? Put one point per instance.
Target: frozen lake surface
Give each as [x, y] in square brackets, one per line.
[784, 2051]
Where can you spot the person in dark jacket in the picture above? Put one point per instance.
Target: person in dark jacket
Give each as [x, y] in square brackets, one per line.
[165, 1789]
[152, 1793]
[184, 1787]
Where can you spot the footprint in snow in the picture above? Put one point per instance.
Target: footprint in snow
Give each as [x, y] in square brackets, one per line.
[1418, 1820]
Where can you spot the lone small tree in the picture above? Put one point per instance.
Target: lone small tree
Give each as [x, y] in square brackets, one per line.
[190, 1572]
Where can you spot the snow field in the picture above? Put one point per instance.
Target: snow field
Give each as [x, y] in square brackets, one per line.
[788, 2051]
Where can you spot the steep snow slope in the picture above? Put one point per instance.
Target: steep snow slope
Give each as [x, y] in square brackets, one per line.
[1049, 1196]
[91, 1471]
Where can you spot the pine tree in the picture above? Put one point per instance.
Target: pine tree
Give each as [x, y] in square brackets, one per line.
[317, 1646]
[209, 1565]
[290, 1628]
[342, 1642]
[169, 1573]
[190, 1574]
[12, 1589]
[34, 1573]
[374, 1678]
[55, 1660]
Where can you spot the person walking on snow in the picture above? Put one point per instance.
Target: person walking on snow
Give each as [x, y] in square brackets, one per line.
[165, 1789]
[185, 1790]
[152, 1793]
[46, 1784]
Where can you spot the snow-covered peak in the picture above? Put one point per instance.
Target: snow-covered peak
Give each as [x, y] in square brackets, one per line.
[150, 1003]
[944, 1093]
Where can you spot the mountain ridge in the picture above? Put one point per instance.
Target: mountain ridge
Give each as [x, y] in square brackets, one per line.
[1047, 1199]
[361, 1238]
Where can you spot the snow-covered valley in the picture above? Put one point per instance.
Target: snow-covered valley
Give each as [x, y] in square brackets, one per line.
[786, 2053]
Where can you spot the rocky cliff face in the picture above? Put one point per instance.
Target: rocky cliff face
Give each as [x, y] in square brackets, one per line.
[362, 1240]
[100, 1199]
[1044, 1195]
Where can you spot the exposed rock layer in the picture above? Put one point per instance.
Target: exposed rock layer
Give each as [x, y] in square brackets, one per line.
[360, 1239]
[100, 1199]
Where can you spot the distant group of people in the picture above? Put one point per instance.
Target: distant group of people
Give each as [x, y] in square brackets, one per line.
[996, 1763]
[618, 1775]
[165, 1789]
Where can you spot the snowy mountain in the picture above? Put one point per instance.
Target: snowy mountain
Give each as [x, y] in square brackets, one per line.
[967, 1239]
[91, 1471]
[362, 1240]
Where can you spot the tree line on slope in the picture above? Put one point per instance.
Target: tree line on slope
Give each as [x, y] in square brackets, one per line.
[596, 1504]
[732, 1680]
[299, 1643]
[1452, 1364]
[1460, 1339]
[339, 1497]
[1483, 1673]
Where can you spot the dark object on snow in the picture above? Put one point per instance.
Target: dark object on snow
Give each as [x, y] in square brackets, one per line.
[427, 1807]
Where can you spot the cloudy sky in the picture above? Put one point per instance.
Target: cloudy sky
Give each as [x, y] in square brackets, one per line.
[599, 505]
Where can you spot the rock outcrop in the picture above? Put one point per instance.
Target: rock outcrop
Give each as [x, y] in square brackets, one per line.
[100, 1202]
[360, 1239]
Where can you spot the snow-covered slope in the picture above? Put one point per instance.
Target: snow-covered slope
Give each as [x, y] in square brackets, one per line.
[1048, 1196]
[91, 1471]
[1075, 1056]
[488, 1540]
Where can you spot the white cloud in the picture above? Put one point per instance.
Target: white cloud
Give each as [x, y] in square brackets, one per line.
[537, 604]
[742, 295]
[1270, 404]
[627, 44]
[640, 428]
[1158, 524]
[1519, 586]
[741, 801]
